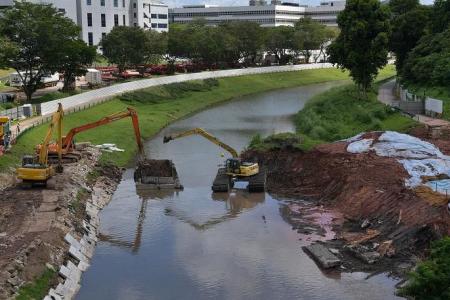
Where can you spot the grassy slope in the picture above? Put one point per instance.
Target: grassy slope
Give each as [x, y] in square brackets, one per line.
[337, 114]
[159, 106]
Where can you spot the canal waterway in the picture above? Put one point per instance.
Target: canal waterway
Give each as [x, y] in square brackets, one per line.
[194, 244]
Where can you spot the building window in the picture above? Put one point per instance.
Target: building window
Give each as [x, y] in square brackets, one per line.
[134, 5]
[162, 25]
[154, 16]
[103, 35]
[89, 19]
[88, 2]
[102, 2]
[116, 20]
[116, 3]
[103, 20]
[162, 16]
[90, 39]
[135, 15]
[123, 3]
[135, 24]
[154, 25]
[123, 19]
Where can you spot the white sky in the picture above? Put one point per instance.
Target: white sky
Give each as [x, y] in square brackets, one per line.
[179, 3]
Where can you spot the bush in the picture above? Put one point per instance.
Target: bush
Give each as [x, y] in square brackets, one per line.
[431, 279]
[278, 141]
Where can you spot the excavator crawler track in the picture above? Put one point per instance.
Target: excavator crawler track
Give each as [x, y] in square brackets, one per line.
[257, 183]
[68, 158]
[222, 182]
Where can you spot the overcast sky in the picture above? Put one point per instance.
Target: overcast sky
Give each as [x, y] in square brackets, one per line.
[179, 3]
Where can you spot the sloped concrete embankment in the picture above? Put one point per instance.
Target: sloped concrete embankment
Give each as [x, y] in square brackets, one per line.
[55, 227]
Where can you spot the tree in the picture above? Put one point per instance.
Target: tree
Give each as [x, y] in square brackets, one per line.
[250, 37]
[34, 35]
[362, 45]
[132, 46]
[408, 19]
[429, 62]
[75, 59]
[440, 16]
[309, 35]
[431, 279]
[279, 42]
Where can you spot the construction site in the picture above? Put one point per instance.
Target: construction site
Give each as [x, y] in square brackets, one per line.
[372, 203]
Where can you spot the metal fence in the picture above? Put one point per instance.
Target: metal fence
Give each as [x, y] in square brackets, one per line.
[13, 113]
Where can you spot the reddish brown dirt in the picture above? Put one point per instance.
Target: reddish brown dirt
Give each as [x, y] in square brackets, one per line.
[361, 187]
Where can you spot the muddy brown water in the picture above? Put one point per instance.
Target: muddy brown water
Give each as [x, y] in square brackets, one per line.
[196, 245]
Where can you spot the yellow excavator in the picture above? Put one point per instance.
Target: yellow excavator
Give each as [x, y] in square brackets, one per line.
[35, 168]
[234, 170]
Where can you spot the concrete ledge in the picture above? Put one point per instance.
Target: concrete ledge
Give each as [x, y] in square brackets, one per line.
[322, 256]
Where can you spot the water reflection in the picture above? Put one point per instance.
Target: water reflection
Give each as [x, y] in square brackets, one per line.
[197, 245]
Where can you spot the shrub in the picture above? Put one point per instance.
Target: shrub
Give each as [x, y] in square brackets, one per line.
[431, 279]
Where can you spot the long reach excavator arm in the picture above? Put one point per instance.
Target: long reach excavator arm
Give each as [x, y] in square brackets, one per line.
[66, 144]
[103, 121]
[205, 134]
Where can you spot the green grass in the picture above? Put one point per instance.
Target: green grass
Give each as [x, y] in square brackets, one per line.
[437, 92]
[37, 289]
[337, 114]
[54, 96]
[158, 106]
[5, 72]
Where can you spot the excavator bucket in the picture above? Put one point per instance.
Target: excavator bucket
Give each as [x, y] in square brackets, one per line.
[156, 174]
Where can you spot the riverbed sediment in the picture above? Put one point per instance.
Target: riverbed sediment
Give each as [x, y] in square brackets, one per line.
[386, 225]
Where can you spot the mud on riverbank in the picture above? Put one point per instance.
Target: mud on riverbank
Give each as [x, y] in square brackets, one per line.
[384, 226]
[34, 222]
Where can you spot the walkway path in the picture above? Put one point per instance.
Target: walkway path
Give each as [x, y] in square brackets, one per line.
[387, 96]
[103, 94]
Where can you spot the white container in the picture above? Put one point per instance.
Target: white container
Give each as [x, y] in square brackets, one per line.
[94, 76]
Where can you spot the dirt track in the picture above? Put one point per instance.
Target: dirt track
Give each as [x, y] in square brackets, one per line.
[380, 213]
[33, 222]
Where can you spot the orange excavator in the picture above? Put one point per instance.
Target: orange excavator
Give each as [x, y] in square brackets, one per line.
[68, 149]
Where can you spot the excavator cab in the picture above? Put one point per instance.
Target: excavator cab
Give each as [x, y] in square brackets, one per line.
[233, 165]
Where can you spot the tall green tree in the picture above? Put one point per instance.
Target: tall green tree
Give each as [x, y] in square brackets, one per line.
[440, 16]
[74, 60]
[309, 35]
[279, 42]
[408, 27]
[428, 64]
[250, 36]
[362, 44]
[132, 46]
[34, 35]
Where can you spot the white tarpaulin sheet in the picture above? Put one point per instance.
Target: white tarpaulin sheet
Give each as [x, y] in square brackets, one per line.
[419, 158]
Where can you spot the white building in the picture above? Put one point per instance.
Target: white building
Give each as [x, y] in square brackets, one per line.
[276, 14]
[98, 17]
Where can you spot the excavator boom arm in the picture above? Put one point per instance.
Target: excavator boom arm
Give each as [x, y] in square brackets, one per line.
[106, 120]
[56, 120]
[205, 134]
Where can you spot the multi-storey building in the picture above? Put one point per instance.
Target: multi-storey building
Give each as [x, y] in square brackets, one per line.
[98, 17]
[276, 14]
